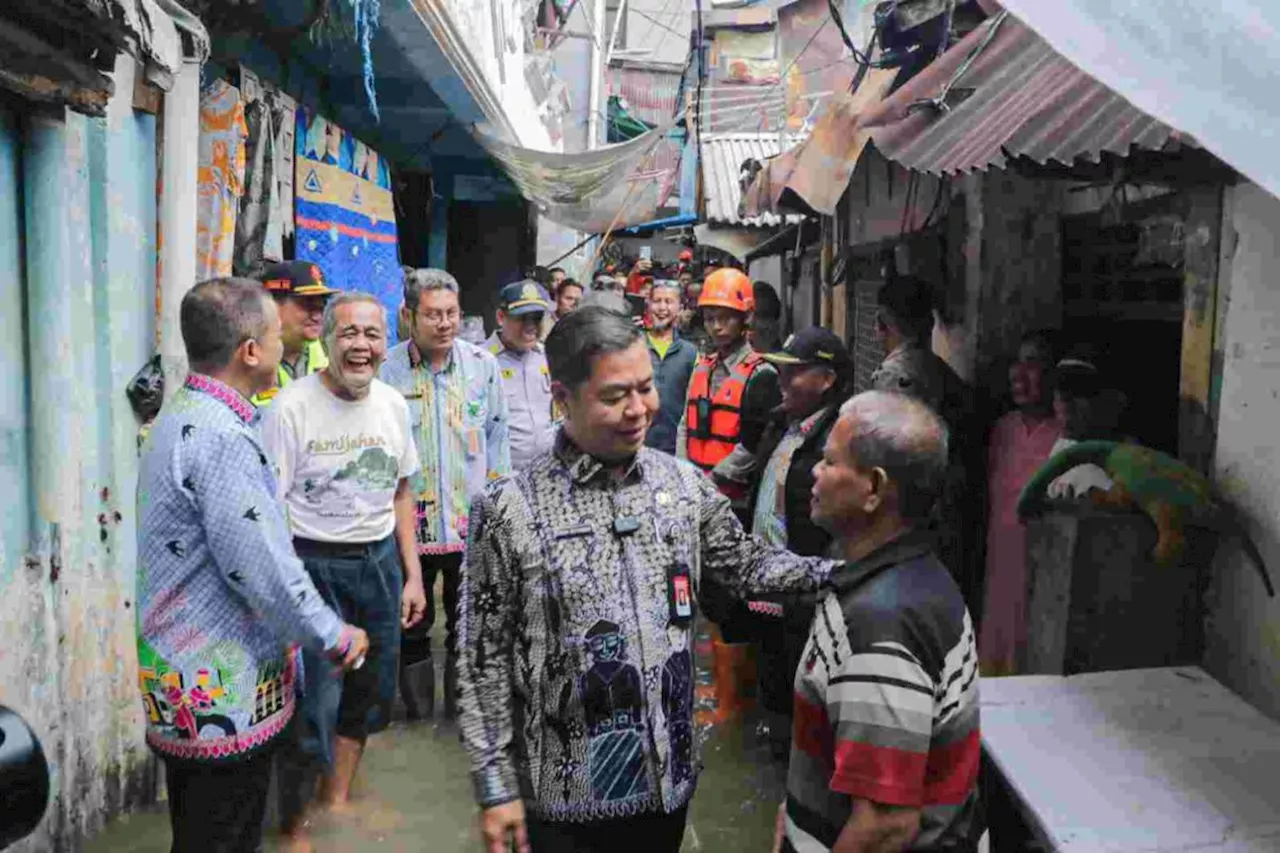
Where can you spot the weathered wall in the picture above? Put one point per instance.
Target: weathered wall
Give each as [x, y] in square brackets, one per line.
[76, 327]
[1243, 630]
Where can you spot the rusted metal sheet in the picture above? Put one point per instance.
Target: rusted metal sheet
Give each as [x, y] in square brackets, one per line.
[651, 95]
[1018, 98]
[86, 236]
[813, 175]
[723, 156]
[817, 62]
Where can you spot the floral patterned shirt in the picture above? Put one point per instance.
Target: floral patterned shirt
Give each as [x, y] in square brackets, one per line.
[576, 628]
[221, 594]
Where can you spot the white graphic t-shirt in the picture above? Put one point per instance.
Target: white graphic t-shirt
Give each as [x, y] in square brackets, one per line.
[339, 461]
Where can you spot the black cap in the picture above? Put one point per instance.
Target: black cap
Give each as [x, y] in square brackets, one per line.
[814, 345]
[295, 278]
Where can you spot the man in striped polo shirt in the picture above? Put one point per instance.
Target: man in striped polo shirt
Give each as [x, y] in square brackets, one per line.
[886, 749]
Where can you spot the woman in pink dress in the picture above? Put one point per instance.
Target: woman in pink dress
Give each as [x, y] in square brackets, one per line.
[1021, 442]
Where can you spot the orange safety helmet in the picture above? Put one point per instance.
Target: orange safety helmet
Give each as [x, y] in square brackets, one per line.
[728, 288]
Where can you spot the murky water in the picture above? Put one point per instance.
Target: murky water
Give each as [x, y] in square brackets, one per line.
[414, 794]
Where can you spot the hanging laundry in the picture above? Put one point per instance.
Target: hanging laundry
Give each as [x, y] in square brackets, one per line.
[220, 177]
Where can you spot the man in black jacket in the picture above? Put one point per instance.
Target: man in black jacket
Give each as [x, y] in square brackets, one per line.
[814, 368]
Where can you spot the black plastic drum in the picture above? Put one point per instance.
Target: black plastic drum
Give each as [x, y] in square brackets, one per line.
[24, 779]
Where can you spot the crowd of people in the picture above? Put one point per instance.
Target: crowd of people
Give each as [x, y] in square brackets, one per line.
[610, 460]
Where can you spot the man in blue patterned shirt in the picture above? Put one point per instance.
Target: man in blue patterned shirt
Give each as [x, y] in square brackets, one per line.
[459, 418]
[576, 613]
[221, 594]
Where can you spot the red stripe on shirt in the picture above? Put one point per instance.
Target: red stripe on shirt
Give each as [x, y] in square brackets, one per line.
[953, 770]
[882, 774]
[812, 730]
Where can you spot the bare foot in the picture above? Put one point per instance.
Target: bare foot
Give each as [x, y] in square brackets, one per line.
[298, 841]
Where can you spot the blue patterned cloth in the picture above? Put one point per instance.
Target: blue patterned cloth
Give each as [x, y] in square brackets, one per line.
[221, 594]
[460, 423]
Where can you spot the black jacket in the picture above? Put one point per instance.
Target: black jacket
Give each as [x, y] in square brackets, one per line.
[803, 536]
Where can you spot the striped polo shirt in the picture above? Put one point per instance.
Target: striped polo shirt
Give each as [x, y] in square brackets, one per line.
[886, 705]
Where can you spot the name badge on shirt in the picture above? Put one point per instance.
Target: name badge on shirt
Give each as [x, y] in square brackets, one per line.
[680, 595]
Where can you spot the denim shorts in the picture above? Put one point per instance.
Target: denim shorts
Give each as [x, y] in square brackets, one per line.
[362, 583]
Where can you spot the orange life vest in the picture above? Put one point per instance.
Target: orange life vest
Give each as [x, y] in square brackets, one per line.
[715, 422]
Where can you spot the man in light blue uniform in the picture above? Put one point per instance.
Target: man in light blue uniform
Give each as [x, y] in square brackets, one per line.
[526, 379]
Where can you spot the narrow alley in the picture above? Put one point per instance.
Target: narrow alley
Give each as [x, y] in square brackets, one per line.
[414, 794]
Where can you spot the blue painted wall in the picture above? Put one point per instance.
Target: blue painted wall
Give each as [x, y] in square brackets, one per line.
[77, 306]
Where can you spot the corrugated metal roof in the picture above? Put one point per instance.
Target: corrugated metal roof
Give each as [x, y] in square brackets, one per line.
[1027, 101]
[722, 157]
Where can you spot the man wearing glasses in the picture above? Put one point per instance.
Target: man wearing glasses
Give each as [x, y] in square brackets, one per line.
[460, 424]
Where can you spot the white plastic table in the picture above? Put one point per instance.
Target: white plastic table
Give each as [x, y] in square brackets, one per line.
[1139, 760]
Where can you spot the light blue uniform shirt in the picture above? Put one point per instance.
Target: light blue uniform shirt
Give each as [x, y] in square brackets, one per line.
[526, 381]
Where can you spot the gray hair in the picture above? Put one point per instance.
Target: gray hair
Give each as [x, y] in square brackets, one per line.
[418, 282]
[605, 299]
[347, 297]
[217, 316]
[905, 438]
[579, 339]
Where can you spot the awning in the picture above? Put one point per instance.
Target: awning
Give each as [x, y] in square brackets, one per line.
[812, 176]
[725, 157]
[1209, 69]
[1017, 98]
[611, 187]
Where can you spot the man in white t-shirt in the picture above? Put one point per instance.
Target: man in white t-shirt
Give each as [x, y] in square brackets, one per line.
[342, 444]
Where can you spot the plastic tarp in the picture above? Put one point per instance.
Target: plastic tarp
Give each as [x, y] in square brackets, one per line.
[611, 187]
[1208, 69]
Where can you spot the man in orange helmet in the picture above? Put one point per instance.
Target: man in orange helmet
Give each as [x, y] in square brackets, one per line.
[731, 398]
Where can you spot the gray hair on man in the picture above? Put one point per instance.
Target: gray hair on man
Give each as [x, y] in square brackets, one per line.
[580, 338]
[346, 297]
[907, 440]
[420, 281]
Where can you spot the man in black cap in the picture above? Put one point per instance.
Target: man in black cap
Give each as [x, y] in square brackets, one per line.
[814, 368]
[300, 293]
[526, 379]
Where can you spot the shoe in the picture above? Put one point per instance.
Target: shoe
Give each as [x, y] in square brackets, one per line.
[418, 688]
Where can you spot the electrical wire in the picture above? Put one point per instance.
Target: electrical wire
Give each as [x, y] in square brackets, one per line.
[782, 78]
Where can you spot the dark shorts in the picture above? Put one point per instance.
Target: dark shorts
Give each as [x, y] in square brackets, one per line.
[218, 808]
[362, 583]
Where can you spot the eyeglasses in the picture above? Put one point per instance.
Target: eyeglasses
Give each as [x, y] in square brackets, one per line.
[440, 318]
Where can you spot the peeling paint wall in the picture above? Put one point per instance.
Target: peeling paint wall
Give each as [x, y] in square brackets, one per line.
[77, 282]
[1243, 627]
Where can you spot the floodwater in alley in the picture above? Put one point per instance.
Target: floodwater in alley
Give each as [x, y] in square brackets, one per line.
[414, 793]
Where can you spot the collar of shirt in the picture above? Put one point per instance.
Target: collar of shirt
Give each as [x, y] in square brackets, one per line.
[497, 347]
[416, 360]
[224, 394]
[583, 467]
[735, 358]
[908, 546]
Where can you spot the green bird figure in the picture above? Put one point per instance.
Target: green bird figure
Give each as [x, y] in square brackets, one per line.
[1169, 492]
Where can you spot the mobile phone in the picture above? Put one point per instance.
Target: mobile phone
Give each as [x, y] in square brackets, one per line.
[646, 253]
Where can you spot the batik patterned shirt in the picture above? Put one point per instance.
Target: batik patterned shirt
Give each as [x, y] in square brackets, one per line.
[221, 594]
[576, 629]
[460, 423]
[886, 704]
